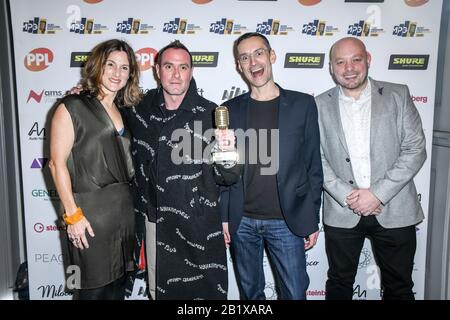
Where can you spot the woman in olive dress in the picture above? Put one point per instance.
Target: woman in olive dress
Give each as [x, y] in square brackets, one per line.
[91, 166]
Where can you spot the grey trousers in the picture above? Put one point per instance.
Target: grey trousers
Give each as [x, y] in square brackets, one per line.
[150, 247]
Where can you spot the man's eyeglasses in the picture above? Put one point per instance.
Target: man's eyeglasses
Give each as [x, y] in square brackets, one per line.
[257, 54]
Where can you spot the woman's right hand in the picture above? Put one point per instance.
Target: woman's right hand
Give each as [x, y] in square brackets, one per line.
[75, 90]
[77, 233]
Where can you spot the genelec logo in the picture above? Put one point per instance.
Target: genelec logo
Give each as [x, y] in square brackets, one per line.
[133, 26]
[408, 62]
[364, 29]
[38, 59]
[39, 163]
[40, 26]
[304, 60]
[232, 93]
[319, 28]
[410, 29]
[146, 58]
[180, 26]
[87, 26]
[205, 59]
[37, 133]
[78, 59]
[45, 194]
[226, 26]
[273, 27]
[48, 95]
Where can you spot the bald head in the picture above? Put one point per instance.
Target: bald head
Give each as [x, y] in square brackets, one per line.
[348, 41]
[349, 65]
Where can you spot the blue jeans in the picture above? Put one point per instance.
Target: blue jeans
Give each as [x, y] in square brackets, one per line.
[286, 251]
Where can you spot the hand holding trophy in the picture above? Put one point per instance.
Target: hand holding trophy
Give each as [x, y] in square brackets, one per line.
[226, 152]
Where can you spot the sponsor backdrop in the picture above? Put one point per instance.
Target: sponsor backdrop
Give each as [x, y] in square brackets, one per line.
[52, 39]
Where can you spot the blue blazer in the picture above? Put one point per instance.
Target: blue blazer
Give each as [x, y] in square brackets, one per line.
[299, 176]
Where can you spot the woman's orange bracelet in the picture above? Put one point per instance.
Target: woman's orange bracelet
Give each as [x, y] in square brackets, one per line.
[73, 218]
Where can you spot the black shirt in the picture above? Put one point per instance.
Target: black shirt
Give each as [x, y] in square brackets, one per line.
[261, 196]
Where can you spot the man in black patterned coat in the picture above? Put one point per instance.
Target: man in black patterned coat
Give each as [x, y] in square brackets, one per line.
[181, 198]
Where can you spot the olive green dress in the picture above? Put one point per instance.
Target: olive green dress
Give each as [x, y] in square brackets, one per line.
[100, 168]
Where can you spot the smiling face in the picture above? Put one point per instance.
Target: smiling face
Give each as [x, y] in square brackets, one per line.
[116, 72]
[175, 72]
[255, 61]
[349, 65]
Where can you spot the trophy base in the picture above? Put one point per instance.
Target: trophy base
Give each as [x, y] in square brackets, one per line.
[225, 156]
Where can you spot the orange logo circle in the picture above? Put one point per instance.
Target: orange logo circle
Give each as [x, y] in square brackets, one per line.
[93, 1]
[38, 59]
[415, 3]
[146, 58]
[201, 1]
[309, 2]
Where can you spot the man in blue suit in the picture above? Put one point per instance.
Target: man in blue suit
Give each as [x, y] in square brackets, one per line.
[278, 210]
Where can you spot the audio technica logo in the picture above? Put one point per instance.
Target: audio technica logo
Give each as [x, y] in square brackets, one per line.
[227, 26]
[87, 26]
[38, 59]
[410, 29]
[304, 60]
[133, 26]
[319, 28]
[78, 59]
[408, 62]
[273, 27]
[37, 133]
[45, 194]
[233, 92]
[39, 163]
[146, 58]
[205, 59]
[180, 26]
[50, 96]
[364, 29]
[40, 26]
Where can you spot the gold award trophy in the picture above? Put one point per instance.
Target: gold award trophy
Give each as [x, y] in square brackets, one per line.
[222, 122]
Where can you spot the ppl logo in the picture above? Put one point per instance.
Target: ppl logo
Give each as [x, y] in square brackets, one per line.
[49, 95]
[40, 26]
[319, 28]
[39, 163]
[87, 26]
[409, 29]
[133, 26]
[180, 26]
[273, 27]
[38, 59]
[363, 29]
[415, 3]
[146, 58]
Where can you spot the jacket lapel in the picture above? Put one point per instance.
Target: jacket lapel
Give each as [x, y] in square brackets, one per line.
[334, 113]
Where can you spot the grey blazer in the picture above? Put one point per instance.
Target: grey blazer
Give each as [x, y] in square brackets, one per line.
[397, 152]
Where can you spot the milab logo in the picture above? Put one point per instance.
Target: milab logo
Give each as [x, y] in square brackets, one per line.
[146, 58]
[304, 60]
[133, 26]
[48, 95]
[410, 29]
[205, 59]
[408, 62]
[319, 28]
[87, 26]
[39, 163]
[40, 26]
[226, 26]
[363, 29]
[415, 3]
[180, 26]
[273, 27]
[38, 59]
